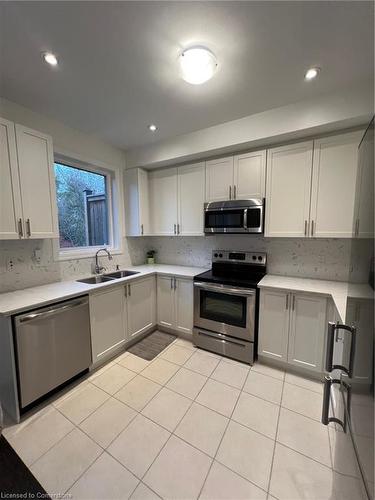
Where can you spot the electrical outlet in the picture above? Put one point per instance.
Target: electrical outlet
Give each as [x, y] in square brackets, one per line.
[10, 264]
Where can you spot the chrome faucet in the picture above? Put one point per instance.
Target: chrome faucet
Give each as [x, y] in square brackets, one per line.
[98, 268]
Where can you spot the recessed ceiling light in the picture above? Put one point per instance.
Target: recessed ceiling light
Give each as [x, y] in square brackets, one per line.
[312, 73]
[50, 58]
[152, 127]
[198, 65]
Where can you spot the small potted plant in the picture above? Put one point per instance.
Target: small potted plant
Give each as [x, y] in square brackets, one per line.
[151, 256]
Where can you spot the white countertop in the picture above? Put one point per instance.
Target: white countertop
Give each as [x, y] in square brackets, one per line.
[339, 291]
[30, 298]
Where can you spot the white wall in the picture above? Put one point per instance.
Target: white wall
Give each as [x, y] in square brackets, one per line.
[328, 113]
[26, 271]
[65, 139]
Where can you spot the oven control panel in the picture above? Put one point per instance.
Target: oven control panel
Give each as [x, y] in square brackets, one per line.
[259, 258]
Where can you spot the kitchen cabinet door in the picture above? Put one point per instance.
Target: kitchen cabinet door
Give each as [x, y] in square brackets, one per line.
[37, 181]
[307, 331]
[288, 190]
[163, 201]
[334, 177]
[364, 202]
[165, 301]
[184, 305]
[10, 196]
[191, 193]
[250, 175]
[141, 301]
[274, 324]
[137, 222]
[108, 322]
[219, 179]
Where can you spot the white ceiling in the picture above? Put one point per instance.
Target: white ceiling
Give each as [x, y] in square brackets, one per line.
[118, 70]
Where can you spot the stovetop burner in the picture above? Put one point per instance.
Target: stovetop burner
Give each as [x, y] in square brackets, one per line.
[243, 269]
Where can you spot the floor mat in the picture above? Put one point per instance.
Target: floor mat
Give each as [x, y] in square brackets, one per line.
[149, 347]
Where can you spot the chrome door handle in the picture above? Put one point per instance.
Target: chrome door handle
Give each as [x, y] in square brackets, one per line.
[175, 283]
[129, 291]
[54, 310]
[28, 228]
[234, 192]
[171, 283]
[305, 227]
[332, 327]
[224, 289]
[287, 301]
[230, 192]
[142, 229]
[326, 419]
[293, 302]
[178, 228]
[174, 228]
[20, 228]
[312, 228]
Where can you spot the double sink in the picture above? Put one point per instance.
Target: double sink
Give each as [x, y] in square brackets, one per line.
[104, 278]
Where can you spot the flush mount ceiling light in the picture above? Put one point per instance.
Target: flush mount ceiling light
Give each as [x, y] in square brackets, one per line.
[198, 65]
[50, 58]
[152, 127]
[312, 73]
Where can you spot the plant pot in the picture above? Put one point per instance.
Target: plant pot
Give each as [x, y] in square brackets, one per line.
[150, 260]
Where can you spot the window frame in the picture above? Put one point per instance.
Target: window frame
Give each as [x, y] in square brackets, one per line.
[114, 203]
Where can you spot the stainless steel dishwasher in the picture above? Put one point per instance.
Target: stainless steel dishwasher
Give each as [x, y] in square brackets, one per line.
[53, 344]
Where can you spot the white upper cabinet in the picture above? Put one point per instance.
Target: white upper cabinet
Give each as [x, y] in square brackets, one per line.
[163, 201]
[10, 197]
[289, 170]
[28, 200]
[137, 221]
[191, 192]
[219, 179]
[333, 186]
[249, 175]
[37, 180]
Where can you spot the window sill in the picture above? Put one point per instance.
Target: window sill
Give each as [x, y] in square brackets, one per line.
[84, 254]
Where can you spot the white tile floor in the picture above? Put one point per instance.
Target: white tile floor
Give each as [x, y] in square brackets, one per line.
[186, 425]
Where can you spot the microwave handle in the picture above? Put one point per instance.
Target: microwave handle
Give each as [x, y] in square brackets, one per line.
[245, 219]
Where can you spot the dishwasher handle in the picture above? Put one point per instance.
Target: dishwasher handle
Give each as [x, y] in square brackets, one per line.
[54, 310]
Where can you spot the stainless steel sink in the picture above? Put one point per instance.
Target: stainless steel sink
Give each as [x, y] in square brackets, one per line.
[121, 274]
[94, 280]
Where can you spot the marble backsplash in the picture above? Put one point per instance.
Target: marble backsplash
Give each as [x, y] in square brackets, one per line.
[314, 258]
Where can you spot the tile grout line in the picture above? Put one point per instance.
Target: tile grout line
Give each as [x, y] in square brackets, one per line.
[275, 442]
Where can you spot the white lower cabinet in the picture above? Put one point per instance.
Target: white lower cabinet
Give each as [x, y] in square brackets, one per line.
[121, 314]
[141, 306]
[292, 328]
[108, 322]
[175, 303]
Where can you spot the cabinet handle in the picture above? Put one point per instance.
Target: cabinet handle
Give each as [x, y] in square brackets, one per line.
[312, 228]
[142, 229]
[20, 228]
[178, 228]
[171, 283]
[234, 192]
[129, 291]
[287, 301]
[126, 290]
[356, 232]
[174, 279]
[28, 228]
[293, 302]
[174, 228]
[305, 227]
[230, 192]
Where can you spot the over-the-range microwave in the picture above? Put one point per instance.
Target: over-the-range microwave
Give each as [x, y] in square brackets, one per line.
[234, 216]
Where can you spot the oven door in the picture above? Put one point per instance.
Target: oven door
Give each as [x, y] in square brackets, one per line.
[225, 309]
[231, 220]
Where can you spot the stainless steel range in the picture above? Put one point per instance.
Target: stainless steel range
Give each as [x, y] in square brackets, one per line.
[226, 304]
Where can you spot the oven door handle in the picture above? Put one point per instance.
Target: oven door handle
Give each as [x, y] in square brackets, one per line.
[224, 289]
